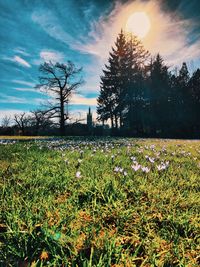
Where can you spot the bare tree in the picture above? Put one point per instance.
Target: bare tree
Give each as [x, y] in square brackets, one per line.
[22, 121]
[40, 119]
[58, 81]
[6, 120]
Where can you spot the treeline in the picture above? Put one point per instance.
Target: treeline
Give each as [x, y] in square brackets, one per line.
[142, 97]
[39, 123]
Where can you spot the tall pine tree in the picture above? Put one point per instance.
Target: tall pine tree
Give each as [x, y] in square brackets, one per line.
[113, 83]
[159, 94]
[121, 83]
[135, 94]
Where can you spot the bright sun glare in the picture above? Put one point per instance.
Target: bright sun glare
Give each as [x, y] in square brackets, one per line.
[139, 24]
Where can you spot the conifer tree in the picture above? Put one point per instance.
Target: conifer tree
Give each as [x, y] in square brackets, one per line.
[121, 81]
[137, 57]
[194, 86]
[113, 82]
[159, 93]
[184, 99]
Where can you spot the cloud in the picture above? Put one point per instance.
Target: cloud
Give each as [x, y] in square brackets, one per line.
[21, 51]
[24, 82]
[11, 99]
[10, 113]
[92, 80]
[21, 61]
[51, 25]
[82, 100]
[20, 100]
[81, 115]
[169, 34]
[51, 56]
[27, 89]
[18, 60]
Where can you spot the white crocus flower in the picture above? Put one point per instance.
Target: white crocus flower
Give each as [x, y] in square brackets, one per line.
[116, 169]
[145, 169]
[125, 173]
[78, 174]
[136, 167]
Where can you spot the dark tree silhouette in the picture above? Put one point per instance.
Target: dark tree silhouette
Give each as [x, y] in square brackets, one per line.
[113, 83]
[40, 120]
[22, 120]
[121, 81]
[135, 77]
[194, 86]
[106, 101]
[183, 100]
[148, 99]
[159, 94]
[58, 80]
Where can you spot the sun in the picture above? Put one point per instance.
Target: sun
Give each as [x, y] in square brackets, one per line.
[138, 24]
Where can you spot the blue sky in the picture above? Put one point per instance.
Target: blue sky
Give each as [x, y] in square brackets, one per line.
[33, 31]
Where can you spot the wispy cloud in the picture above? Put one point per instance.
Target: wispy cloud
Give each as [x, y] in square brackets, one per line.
[81, 100]
[49, 55]
[27, 89]
[24, 82]
[21, 51]
[53, 56]
[51, 25]
[21, 61]
[11, 99]
[18, 60]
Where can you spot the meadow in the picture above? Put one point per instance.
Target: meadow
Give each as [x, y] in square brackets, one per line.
[104, 202]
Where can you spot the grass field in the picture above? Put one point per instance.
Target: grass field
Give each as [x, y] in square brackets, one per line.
[114, 202]
[19, 137]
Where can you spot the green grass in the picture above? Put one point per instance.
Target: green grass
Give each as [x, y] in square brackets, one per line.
[111, 215]
[19, 137]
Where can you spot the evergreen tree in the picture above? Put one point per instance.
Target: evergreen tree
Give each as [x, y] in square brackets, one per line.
[106, 101]
[121, 82]
[194, 85]
[184, 100]
[150, 99]
[159, 94]
[137, 56]
[113, 83]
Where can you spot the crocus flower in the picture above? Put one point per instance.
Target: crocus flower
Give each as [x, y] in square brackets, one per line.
[145, 169]
[136, 167]
[78, 174]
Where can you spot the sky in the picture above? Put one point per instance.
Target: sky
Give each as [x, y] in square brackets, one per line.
[83, 31]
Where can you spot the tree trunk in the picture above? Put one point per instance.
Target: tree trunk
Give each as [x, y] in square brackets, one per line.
[120, 120]
[62, 118]
[37, 128]
[116, 122]
[112, 121]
